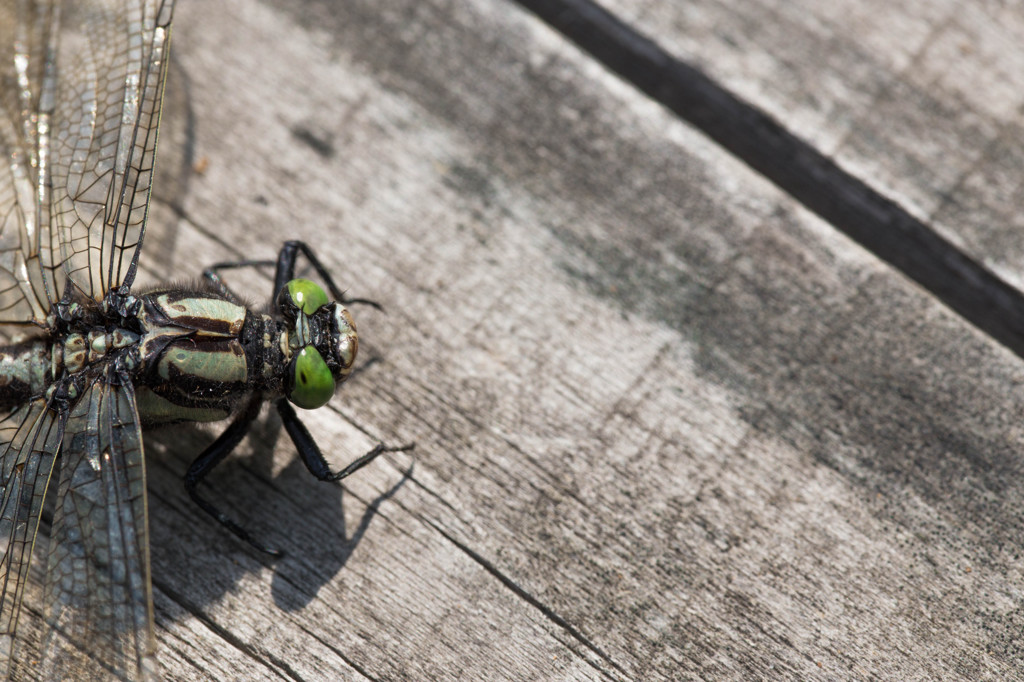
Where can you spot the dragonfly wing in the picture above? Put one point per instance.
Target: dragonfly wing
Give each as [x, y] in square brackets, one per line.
[106, 87]
[31, 436]
[98, 595]
[25, 40]
[80, 91]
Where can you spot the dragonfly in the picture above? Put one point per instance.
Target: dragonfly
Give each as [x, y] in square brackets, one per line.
[81, 86]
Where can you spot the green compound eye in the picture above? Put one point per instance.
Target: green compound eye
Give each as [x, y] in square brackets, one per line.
[307, 295]
[312, 385]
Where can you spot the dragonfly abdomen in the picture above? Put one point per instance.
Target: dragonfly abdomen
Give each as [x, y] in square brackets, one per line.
[80, 349]
[25, 371]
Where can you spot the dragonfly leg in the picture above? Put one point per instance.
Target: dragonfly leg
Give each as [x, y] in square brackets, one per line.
[214, 455]
[212, 275]
[311, 455]
[286, 272]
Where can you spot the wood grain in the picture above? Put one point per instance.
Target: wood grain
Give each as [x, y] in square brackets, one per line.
[922, 100]
[669, 424]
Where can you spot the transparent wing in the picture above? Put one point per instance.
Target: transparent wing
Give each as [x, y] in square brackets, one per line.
[25, 37]
[98, 596]
[102, 98]
[31, 436]
[81, 83]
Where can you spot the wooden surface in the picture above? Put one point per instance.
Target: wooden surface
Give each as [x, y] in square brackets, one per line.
[921, 99]
[669, 424]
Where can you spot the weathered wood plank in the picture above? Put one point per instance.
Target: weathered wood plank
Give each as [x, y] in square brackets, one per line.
[686, 419]
[668, 424]
[922, 100]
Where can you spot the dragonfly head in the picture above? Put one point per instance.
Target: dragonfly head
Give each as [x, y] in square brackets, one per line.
[321, 340]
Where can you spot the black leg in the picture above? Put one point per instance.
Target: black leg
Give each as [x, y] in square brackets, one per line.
[214, 455]
[311, 454]
[212, 274]
[286, 272]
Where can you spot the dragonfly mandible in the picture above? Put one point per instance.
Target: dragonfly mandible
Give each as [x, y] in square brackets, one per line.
[81, 83]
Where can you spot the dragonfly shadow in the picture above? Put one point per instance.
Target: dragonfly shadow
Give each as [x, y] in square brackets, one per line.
[321, 563]
[197, 561]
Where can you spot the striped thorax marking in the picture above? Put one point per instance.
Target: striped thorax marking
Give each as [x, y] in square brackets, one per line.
[219, 363]
[210, 316]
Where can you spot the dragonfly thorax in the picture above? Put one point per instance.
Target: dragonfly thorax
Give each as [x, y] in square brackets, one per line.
[197, 357]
